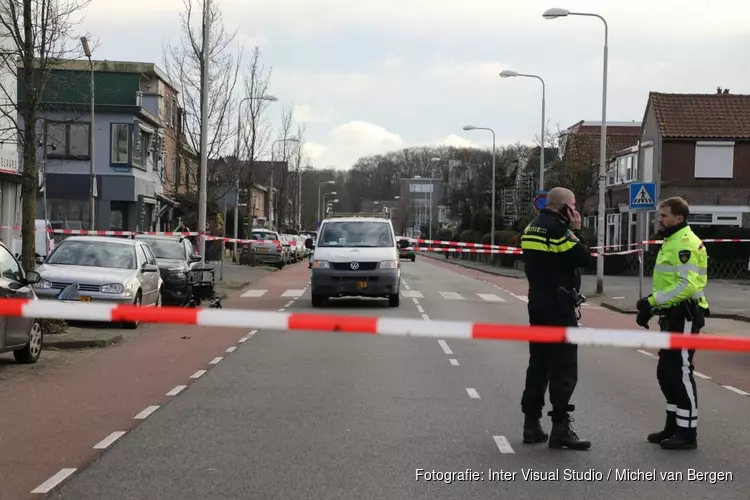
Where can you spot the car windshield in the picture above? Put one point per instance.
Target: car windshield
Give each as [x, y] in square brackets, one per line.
[166, 249]
[355, 234]
[265, 236]
[93, 254]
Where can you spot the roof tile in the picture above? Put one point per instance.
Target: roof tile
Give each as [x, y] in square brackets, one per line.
[702, 116]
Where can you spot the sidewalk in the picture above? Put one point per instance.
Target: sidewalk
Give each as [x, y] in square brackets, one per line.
[81, 336]
[729, 300]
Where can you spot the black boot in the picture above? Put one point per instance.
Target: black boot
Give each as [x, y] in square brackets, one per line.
[670, 426]
[682, 439]
[563, 435]
[532, 431]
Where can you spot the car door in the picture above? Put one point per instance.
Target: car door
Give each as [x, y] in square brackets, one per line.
[149, 281]
[12, 278]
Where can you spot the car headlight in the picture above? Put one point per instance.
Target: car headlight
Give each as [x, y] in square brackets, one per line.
[43, 285]
[112, 288]
[389, 264]
[320, 264]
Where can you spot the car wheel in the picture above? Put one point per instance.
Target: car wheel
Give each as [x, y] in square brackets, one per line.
[137, 302]
[394, 300]
[31, 352]
[413, 258]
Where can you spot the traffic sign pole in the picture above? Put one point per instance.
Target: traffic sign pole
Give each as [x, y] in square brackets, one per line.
[642, 199]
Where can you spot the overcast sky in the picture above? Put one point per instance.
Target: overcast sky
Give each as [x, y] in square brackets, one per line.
[369, 76]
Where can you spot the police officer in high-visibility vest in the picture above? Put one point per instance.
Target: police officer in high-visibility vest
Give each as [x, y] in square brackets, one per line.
[680, 276]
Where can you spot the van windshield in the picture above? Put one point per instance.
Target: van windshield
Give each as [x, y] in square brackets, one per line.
[363, 234]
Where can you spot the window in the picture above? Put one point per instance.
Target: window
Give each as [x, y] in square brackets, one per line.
[356, 235]
[67, 139]
[93, 254]
[613, 230]
[149, 255]
[120, 150]
[141, 256]
[9, 268]
[176, 170]
[714, 160]
[700, 218]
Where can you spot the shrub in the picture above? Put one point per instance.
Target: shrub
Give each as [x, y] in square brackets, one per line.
[53, 326]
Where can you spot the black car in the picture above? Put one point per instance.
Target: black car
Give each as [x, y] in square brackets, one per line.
[175, 257]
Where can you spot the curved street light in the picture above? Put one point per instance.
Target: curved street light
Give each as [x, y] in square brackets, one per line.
[492, 229]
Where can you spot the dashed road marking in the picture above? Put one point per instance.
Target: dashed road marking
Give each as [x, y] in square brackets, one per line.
[412, 294]
[176, 390]
[199, 374]
[292, 293]
[419, 308]
[454, 362]
[252, 332]
[473, 394]
[216, 360]
[700, 375]
[416, 301]
[444, 346]
[254, 293]
[734, 389]
[523, 298]
[490, 297]
[425, 317]
[244, 339]
[405, 285]
[452, 295]
[107, 441]
[646, 353]
[231, 349]
[282, 310]
[146, 412]
[50, 483]
[503, 444]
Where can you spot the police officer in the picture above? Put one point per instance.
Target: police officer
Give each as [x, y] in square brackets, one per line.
[552, 256]
[680, 275]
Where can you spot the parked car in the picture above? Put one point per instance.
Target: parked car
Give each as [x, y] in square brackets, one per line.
[175, 257]
[269, 248]
[106, 269]
[403, 252]
[23, 336]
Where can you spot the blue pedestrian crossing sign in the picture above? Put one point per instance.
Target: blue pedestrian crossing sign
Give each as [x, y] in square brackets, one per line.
[642, 195]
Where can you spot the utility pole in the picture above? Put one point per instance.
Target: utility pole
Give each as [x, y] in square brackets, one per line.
[202, 197]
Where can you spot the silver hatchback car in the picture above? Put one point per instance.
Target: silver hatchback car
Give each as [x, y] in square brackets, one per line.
[106, 269]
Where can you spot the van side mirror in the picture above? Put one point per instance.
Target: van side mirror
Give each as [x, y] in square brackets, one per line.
[309, 243]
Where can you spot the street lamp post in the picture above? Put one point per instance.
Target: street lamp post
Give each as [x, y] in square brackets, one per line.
[92, 176]
[320, 207]
[268, 98]
[512, 74]
[492, 229]
[553, 14]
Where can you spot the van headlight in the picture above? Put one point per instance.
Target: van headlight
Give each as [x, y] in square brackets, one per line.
[112, 288]
[43, 285]
[321, 264]
[389, 264]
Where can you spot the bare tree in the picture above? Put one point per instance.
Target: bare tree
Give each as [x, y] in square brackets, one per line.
[281, 201]
[184, 66]
[36, 35]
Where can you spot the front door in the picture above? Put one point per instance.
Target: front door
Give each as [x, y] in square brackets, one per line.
[12, 285]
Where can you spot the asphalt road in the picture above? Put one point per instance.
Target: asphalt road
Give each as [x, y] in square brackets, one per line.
[324, 415]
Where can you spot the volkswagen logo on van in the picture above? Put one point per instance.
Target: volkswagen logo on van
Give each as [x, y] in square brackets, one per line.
[354, 266]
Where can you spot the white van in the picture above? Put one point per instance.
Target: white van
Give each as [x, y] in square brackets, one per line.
[43, 241]
[356, 257]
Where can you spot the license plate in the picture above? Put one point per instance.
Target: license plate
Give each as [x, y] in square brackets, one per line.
[85, 299]
[261, 250]
[362, 284]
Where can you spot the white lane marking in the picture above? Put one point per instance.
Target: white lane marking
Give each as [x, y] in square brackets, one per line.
[289, 304]
[412, 294]
[50, 483]
[523, 298]
[734, 389]
[252, 332]
[254, 293]
[107, 441]
[425, 317]
[646, 353]
[176, 390]
[452, 295]
[419, 308]
[282, 310]
[454, 362]
[198, 374]
[231, 349]
[617, 298]
[473, 394]
[503, 444]
[404, 281]
[145, 413]
[490, 297]
[216, 360]
[700, 375]
[244, 339]
[292, 293]
[444, 346]
[405, 285]
[415, 301]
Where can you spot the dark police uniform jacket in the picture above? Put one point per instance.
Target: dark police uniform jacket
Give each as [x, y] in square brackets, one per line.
[552, 259]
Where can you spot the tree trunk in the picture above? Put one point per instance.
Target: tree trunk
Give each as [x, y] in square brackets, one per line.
[30, 178]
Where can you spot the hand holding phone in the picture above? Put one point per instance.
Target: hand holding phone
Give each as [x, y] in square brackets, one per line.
[574, 217]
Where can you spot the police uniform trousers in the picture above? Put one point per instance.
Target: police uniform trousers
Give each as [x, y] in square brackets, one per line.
[550, 364]
[675, 368]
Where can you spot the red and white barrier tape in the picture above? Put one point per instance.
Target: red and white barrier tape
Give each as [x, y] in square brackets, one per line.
[636, 244]
[506, 251]
[399, 327]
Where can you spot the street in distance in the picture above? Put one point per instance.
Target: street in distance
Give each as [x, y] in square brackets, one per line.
[615, 475]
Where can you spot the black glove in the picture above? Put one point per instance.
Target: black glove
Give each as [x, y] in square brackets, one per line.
[643, 318]
[643, 305]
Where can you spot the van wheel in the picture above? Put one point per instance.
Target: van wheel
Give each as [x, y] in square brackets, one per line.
[31, 352]
[318, 300]
[394, 300]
